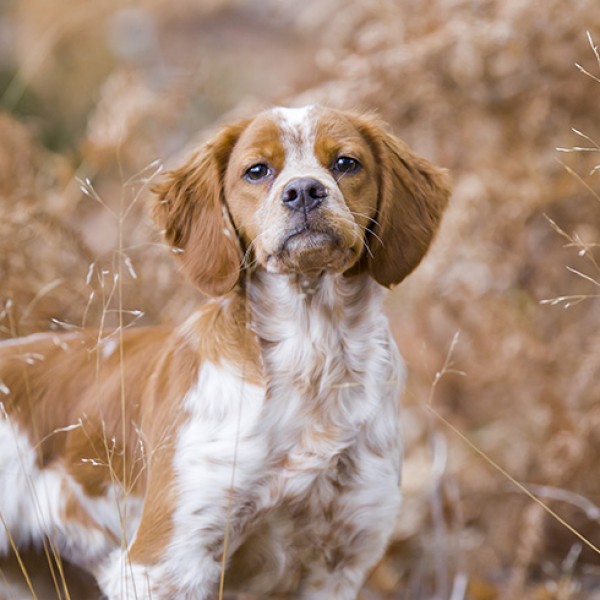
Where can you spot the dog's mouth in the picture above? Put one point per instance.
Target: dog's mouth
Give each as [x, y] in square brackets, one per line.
[310, 248]
[306, 237]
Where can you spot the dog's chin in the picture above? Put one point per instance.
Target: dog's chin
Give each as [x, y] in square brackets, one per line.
[312, 253]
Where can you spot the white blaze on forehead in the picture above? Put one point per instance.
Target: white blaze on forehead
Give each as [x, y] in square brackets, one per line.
[298, 134]
[295, 117]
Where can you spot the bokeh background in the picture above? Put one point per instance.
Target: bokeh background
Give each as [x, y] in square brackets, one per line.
[500, 326]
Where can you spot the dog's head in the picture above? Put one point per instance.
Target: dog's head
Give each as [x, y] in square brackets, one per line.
[307, 190]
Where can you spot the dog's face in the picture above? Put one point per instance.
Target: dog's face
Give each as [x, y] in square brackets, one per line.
[302, 191]
[307, 191]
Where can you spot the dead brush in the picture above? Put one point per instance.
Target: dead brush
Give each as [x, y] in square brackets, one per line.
[39, 248]
[488, 90]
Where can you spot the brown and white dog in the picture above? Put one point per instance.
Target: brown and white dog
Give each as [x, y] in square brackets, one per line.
[262, 435]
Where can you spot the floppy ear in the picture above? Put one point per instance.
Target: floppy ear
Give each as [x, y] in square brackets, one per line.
[413, 194]
[192, 211]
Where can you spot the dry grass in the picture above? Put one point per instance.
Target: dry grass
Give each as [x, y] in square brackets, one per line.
[488, 89]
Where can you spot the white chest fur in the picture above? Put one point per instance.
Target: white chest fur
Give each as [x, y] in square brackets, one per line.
[330, 363]
[326, 420]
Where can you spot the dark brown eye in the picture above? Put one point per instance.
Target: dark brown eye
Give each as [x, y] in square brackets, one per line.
[345, 164]
[257, 172]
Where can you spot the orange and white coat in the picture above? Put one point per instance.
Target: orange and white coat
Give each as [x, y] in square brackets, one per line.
[263, 433]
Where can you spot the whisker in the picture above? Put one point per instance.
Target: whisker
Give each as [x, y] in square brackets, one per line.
[252, 244]
[366, 247]
[375, 235]
[372, 219]
[363, 228]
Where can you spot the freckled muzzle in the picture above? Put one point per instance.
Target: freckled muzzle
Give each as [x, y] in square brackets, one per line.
[308, 228]
[316, 237]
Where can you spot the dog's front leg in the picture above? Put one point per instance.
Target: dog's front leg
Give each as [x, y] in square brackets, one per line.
[200, 498]
[173, 552]
[179, 548]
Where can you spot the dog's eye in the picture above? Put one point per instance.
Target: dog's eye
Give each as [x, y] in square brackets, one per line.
[257, 172]
[345, 164]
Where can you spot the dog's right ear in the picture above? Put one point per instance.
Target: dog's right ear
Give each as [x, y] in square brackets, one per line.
[192, 211]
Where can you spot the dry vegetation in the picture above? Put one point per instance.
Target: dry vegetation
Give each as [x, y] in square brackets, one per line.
[95, 91]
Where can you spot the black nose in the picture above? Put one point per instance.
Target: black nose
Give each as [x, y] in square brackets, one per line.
[303, 194]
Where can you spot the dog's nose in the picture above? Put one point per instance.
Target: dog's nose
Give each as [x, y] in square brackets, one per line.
[303, 194]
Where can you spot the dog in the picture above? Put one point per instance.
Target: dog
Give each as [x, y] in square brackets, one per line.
[260, 438]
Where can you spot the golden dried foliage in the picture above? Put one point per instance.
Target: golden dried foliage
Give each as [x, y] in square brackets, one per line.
[488, 89]
[41, 254]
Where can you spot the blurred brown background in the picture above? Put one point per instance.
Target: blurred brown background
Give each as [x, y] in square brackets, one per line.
[92, 94]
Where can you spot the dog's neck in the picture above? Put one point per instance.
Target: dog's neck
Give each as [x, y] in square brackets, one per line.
[328, 363]
[321, 340]
[296, 327]
[326, 308]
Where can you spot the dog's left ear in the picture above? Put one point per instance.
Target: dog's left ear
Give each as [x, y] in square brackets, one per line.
[413, 195]
[192, 211]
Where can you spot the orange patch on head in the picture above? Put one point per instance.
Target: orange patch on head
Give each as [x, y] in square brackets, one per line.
[338, 137]
[260, 144]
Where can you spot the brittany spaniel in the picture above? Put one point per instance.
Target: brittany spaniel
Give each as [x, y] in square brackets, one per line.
[261, 437]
